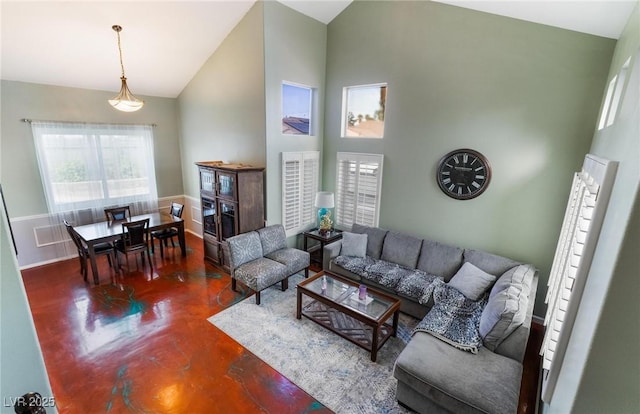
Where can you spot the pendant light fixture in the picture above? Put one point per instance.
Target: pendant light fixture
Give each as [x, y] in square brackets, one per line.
[125, 101]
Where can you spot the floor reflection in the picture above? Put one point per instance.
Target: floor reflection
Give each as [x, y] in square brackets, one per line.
[140, 341]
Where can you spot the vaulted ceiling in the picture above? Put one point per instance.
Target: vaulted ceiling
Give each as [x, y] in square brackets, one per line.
[164, 43]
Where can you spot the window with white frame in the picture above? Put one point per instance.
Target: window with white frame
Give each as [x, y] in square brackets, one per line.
[300, 176]
[363, 111]
[91, 166]
[612, 97]
[583, 218]
[358, 189]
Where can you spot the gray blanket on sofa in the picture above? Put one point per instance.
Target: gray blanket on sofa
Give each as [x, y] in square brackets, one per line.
[454, 318]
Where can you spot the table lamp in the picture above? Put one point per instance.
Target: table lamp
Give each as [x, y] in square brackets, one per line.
[324, 203]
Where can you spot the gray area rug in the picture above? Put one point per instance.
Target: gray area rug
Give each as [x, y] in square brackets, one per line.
[336, 372]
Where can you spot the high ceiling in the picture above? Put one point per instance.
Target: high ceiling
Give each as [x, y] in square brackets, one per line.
[164, 43]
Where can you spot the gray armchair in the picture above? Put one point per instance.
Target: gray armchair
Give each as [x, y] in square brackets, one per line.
[261, 258]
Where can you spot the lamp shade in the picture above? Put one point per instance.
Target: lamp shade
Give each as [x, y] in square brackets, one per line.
[324, 199]
[125, 101]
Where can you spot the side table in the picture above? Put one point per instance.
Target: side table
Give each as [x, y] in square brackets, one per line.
[318, 248]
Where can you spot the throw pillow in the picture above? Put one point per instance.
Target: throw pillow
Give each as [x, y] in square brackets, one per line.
[354, 244]
[505, 312]
[471, 281]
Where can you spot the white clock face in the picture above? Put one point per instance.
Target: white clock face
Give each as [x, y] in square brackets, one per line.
[463, 174]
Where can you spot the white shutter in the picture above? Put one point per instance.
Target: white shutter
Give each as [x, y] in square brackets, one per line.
[300, 174]
[358, 187]
[310, 179]
[579, 234]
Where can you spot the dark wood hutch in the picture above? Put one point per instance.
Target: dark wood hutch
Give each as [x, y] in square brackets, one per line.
[232, 202]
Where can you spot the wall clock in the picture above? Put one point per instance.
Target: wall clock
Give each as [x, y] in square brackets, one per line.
[463, 174]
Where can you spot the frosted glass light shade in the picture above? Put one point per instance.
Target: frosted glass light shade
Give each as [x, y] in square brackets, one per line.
[126, 101]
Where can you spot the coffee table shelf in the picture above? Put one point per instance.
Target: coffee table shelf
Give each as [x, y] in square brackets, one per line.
[336, 309]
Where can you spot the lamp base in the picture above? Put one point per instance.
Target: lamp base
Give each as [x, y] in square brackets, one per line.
[325, 224]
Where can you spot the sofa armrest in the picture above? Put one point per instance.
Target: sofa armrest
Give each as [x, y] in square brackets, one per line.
[331, 251]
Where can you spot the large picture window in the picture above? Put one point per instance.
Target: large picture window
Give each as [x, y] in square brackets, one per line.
[94, 165]
[358, 187]
[300, 176]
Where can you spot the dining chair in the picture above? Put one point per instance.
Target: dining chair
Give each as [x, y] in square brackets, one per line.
[135, 239]
[164, 235]
[117, 213]
[83, 251]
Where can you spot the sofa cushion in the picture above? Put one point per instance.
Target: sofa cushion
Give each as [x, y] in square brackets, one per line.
[261, 273]
[471, 281]
[414, 285]
[459, 381]
[244, 248]
[440, 259]
[520, 276]
[386, 273]
[272, 238]
[354, 244]
[294, 259]
[353, 264]
[508, 305]
[401, 249]
[490, 263]
[375, 238]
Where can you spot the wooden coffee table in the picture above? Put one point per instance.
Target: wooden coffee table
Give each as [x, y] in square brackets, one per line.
[338, 309]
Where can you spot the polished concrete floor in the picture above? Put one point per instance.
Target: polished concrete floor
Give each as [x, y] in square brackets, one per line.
[141, 343]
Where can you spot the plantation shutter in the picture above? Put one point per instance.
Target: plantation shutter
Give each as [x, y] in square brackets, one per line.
[358, 187]
[300, 174]
[574, 252]
[310, 179]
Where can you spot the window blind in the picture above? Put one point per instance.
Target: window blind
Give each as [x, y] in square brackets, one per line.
[300, 175]
[358, 187]
[583, 217]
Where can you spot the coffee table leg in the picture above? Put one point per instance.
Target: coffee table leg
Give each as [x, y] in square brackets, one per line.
[396, 316]
[374, 343]
[299, 305]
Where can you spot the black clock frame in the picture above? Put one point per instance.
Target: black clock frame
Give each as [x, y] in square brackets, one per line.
[451, 191]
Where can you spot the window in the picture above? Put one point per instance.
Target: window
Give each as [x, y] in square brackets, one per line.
[578, 237]
[363, 110]
[358, 186]
[87, 166]
[613, 96]
[300, 176]
[297, 102]
[607, 103]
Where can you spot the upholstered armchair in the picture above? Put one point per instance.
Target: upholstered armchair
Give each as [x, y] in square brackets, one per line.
[261, 258]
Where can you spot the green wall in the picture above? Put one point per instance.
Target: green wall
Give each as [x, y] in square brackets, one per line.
[22, 184]
[23, 368]
[601, 372]
[222, 109]
[295, 51]
[525, 95]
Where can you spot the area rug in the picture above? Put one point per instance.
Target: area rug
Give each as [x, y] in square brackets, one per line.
[333, 370]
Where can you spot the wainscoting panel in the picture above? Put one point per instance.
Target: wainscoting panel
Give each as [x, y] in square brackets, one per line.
[43, 239]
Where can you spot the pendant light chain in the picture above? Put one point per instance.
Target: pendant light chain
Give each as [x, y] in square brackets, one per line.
[118, 29]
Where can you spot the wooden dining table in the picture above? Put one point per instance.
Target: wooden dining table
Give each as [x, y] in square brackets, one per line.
[109, 231]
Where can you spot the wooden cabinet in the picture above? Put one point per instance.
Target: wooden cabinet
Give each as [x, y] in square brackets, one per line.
[232, 202]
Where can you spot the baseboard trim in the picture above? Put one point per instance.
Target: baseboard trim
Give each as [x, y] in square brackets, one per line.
[46, 262]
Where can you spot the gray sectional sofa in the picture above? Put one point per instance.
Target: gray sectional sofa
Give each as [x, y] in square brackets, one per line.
[434, 376]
